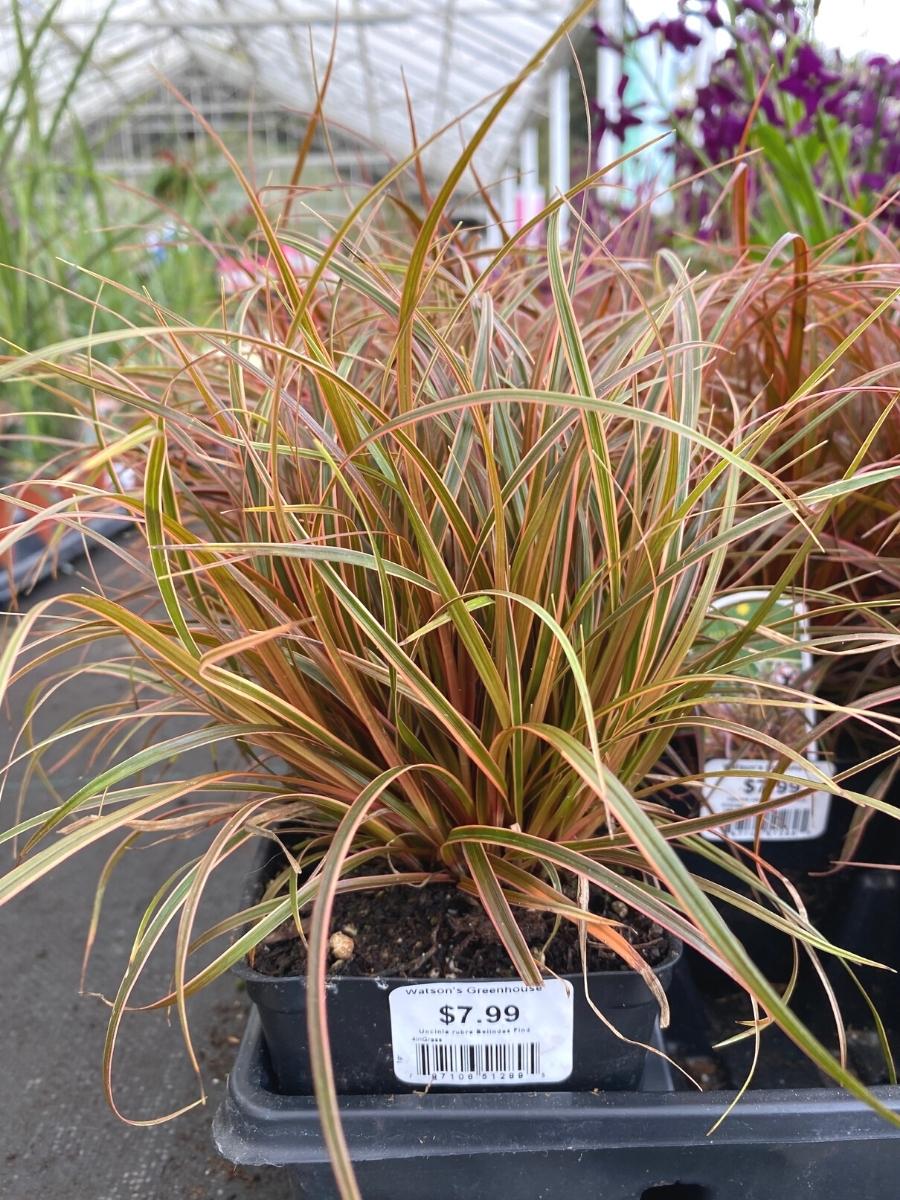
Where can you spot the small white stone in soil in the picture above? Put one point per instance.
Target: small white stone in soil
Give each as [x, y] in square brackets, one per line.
[341, 946]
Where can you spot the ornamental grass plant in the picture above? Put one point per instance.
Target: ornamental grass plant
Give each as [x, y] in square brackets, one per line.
[433, 535]
[805, 306]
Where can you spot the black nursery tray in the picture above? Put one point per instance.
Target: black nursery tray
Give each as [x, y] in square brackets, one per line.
[648, 1145]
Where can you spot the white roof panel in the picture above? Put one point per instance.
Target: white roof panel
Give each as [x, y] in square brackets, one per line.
[450, 55]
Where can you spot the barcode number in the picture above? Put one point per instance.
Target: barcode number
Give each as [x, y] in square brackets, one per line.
[478, 1058]
[792, 821]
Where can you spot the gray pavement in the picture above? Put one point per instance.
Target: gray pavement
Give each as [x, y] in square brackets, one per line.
[58, 1139]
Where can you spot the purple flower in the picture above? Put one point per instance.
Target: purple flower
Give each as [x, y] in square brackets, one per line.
[617, 126]
[770, 8]
[767, 106]
[712, 15]
[867, 111]
[808, 80]
[676, 33]
[809, 62]
[715, 94]
[857, 99]
[722, 134]
[628, 119]
[836, 104]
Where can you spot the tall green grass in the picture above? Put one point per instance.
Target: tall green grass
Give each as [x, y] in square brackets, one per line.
[64, 227]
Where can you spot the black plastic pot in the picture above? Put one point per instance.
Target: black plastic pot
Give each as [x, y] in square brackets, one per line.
[793, 1138]
[645, 1145]
[869, 924]
[803, 862]
[359, 1024]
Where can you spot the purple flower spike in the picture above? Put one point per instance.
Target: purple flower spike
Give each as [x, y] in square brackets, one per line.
[856, 100]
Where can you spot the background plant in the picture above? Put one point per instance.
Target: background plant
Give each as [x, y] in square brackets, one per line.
[826, 130]
[65, 227]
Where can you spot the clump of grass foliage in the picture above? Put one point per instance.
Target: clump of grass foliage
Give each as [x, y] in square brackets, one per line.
[799, 318]
[434, 536]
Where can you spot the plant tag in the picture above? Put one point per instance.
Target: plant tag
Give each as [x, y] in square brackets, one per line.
[495, 1033]
[798, 821]
[725, 789]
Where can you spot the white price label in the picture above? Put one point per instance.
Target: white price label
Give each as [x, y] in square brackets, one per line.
[494, 1033]
[796, 821]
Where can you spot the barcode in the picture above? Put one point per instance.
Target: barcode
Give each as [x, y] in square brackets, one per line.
[478, 1058]
[791, 821]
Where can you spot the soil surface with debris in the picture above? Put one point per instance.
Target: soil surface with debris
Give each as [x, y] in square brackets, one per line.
[437, 932]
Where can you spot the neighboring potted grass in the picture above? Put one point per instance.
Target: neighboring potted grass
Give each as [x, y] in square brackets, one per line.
[441, 552]
[811, 303]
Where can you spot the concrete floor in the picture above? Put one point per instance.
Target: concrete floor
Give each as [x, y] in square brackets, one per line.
[58, 1139]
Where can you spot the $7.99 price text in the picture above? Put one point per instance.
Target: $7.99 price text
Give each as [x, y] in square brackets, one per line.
[460, 1014]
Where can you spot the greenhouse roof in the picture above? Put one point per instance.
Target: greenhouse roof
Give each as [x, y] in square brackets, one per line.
[439, 59]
